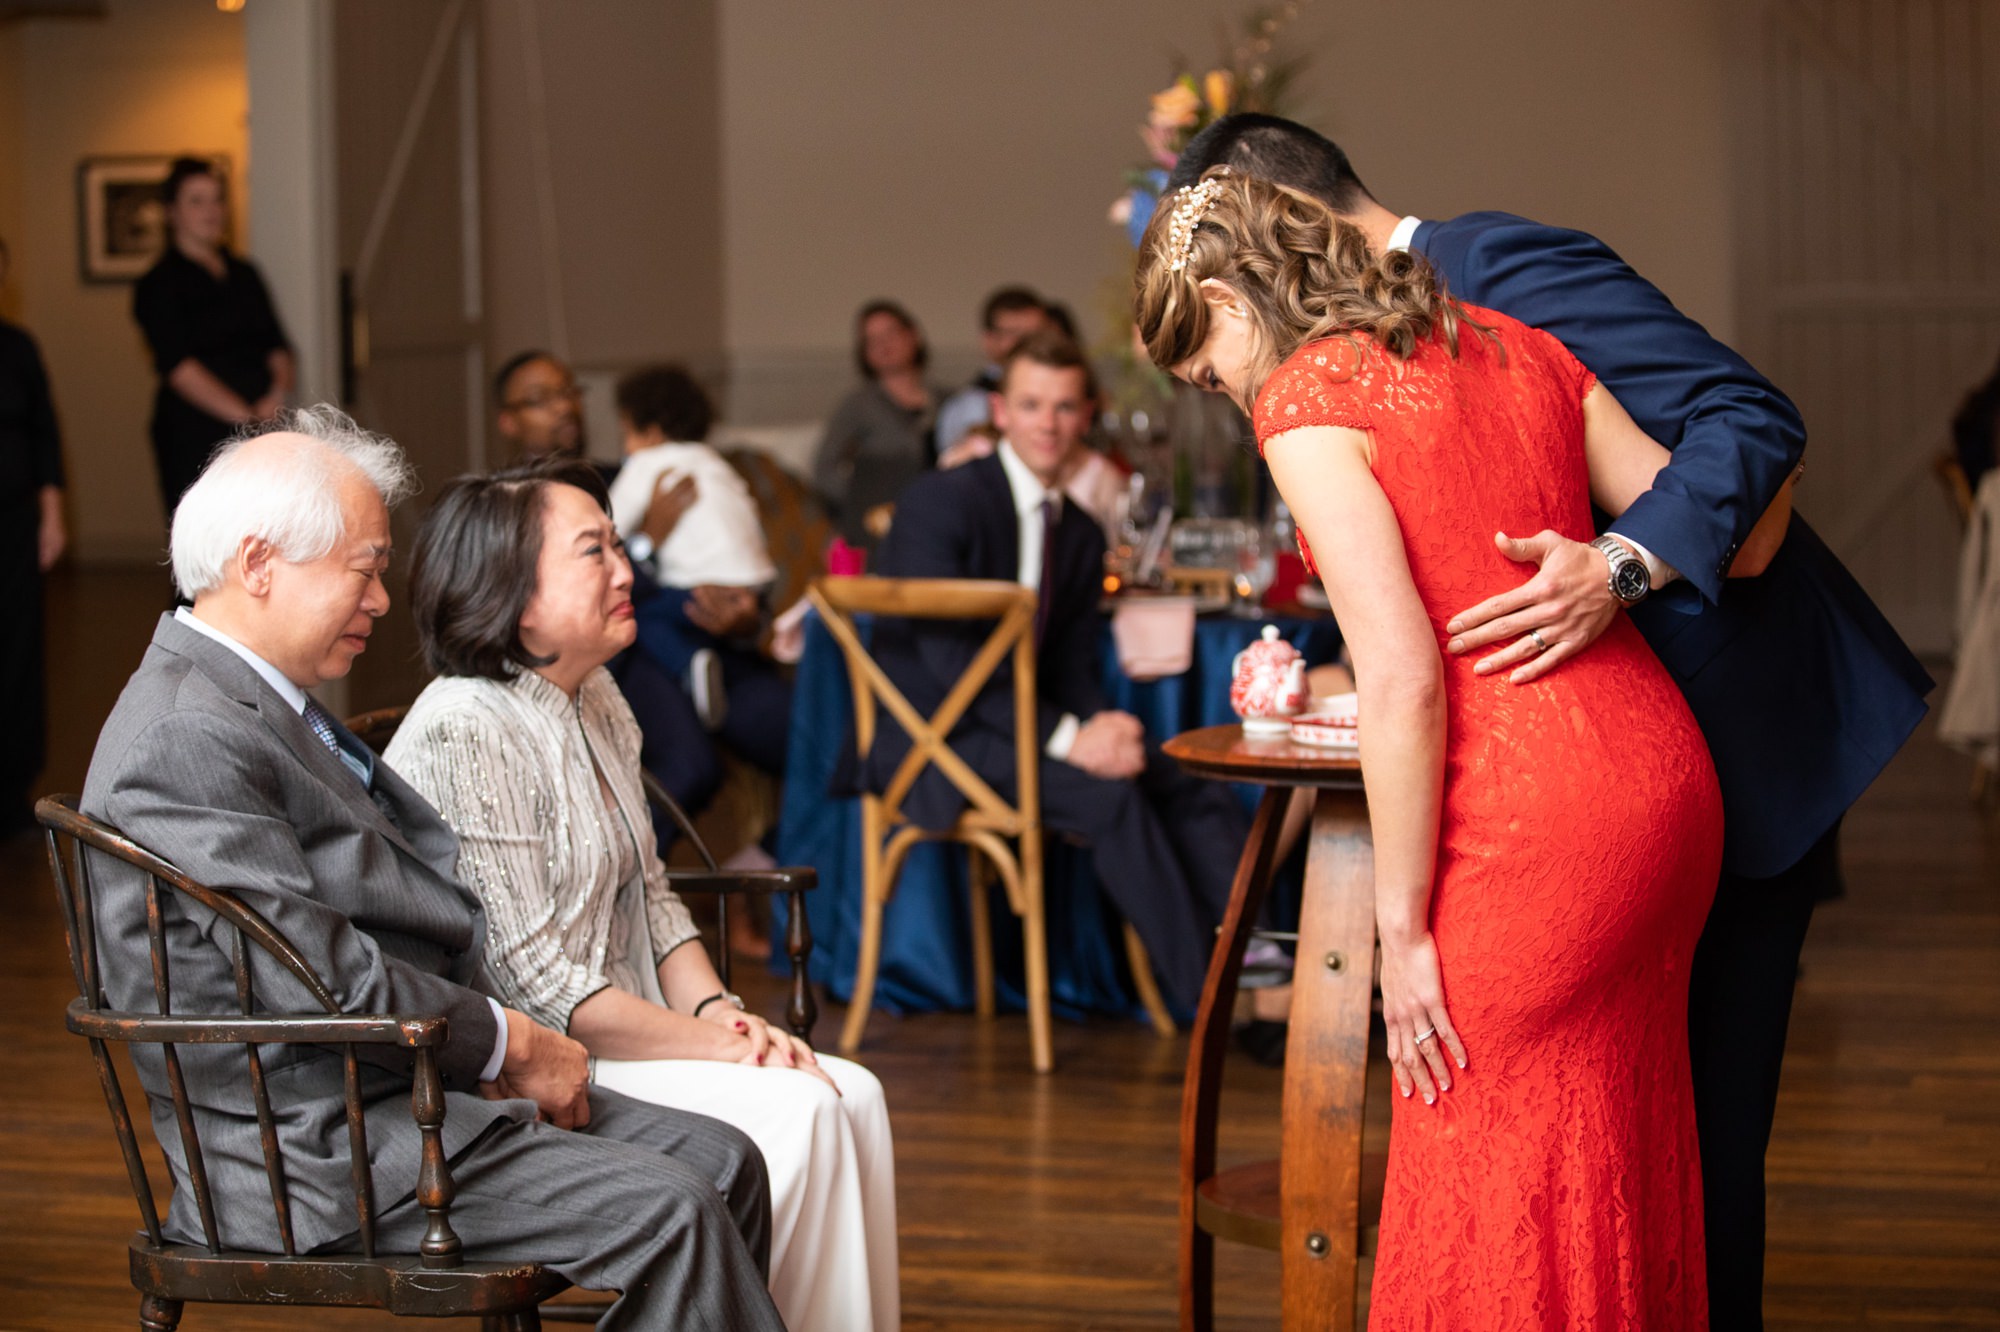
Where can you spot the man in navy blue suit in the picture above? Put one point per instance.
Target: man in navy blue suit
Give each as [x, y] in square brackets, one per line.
[1164, 844]
[1802, 688]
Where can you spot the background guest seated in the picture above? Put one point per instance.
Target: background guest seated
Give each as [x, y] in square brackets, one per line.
[216, 758]
[1009, 314]
[538, 410]
[879, 438]
[529, 752]
[1164, 844]
[703, 568]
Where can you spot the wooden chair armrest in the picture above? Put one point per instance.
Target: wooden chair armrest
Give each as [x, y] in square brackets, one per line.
[258, 1029]
[785, 879]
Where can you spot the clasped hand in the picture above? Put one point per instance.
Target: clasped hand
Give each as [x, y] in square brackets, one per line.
[768, 1047]
[1568, 603]
[1111, 745]
[726, 612]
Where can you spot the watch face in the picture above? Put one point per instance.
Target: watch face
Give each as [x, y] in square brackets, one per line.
[1630, 582]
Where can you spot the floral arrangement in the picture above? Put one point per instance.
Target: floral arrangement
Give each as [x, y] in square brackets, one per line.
[1246, 78]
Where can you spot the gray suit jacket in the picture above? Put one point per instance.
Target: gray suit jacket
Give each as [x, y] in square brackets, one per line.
[204, 764]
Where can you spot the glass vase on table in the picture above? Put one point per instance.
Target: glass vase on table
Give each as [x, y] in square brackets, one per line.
[1256, 566]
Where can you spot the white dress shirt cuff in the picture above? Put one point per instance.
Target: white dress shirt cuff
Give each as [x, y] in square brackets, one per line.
[499, 1055]
[1657, 569]
[1063, 738]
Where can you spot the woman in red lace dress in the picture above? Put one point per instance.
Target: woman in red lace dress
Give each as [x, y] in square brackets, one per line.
[1544, 852]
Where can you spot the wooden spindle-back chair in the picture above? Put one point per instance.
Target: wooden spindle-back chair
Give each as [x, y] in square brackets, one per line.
[436, 1281]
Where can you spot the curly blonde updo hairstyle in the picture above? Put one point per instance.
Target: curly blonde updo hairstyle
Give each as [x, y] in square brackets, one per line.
[1300, 271]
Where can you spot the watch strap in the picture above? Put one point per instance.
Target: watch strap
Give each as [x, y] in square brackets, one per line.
[1617, 555]
[719, 996]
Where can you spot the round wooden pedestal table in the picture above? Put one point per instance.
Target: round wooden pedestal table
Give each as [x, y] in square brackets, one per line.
[1310, 1210]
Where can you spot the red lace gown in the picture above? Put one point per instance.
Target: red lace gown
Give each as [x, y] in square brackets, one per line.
[1557, 1184]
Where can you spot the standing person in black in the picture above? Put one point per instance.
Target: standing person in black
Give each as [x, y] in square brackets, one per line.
[220, 353]
[31, 540]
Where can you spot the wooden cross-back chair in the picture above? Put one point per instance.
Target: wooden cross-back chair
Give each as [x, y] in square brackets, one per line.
[988, 823]
[377, 728]
[434, 1282]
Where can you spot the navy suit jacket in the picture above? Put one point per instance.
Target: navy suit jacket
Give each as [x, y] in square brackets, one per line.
[1802, 688]
[962, 523]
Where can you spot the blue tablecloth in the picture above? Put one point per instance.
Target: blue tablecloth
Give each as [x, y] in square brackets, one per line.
[926, 937]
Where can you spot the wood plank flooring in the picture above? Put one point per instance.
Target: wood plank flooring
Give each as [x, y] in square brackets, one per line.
[1049, 1202]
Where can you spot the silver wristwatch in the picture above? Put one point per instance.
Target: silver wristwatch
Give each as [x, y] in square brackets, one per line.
[1631, 582]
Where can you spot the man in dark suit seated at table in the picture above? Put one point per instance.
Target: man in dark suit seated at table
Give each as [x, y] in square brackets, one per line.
[1164, 844]
[216, 758]
[1801, 687]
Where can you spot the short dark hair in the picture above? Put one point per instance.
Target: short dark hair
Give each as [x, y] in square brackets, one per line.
[1007, 300]
[1061, 320]
[474, 569]
[902, 316]
[666, 396]
[1272, 148]
[1050, 348]
[183, 170]
[512, 366]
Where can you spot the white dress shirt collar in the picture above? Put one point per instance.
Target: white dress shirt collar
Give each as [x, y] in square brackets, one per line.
[1405, 232]
[1029, 492]
[291, 693]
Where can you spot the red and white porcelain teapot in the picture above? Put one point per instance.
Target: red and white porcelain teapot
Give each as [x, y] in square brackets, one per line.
[1267, 685]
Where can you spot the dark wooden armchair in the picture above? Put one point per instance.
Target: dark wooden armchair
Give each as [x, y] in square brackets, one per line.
[377, 728]
[434, 1282]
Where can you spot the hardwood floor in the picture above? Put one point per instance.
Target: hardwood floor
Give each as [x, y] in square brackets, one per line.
[1049, 1202]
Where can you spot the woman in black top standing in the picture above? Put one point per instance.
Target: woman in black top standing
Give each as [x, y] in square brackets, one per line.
[222, 358]
[31, 540]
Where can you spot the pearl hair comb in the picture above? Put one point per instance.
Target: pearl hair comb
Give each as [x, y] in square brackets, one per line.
[1191, 204]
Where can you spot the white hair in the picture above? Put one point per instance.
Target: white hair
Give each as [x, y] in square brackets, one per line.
[290, 497]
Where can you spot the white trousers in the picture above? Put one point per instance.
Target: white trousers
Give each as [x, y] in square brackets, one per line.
[833, 1177]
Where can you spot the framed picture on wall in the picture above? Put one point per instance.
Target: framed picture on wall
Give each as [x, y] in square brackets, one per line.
[121, 225]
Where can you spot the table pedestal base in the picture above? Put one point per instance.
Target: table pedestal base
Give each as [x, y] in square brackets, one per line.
[1310, 1211]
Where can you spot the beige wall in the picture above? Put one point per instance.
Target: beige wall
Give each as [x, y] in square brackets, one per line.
[730, 178]
[153, 76]
[620, 262]
[930, 151]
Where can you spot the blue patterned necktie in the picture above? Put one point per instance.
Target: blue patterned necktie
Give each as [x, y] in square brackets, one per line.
[321, 722]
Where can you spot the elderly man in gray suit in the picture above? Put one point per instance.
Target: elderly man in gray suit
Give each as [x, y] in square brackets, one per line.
[216, 758]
